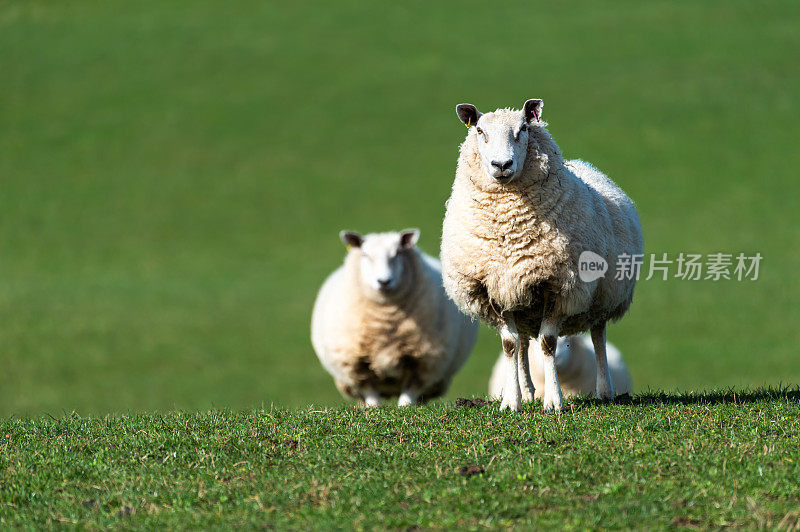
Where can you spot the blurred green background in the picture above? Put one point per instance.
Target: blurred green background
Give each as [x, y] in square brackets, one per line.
[173, 176]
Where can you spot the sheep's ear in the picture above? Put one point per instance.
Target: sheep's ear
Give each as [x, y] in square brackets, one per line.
[408, 238]
[351, 239]
[468, 114]
[533, 110]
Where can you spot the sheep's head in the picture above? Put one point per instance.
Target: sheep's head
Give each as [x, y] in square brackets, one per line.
[383, 260]
[502, 137]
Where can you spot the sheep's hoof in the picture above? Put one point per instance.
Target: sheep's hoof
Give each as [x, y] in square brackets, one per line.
[514, 406]
[405, 400]
[372, 403]
[553, 404]
[604, 390]
[527, 395]
[605, 395]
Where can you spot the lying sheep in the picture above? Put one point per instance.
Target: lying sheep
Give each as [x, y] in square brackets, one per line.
[575, 365]
[382, 325]
[518, 219]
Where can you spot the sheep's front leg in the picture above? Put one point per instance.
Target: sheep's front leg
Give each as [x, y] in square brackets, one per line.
[524, 368]
[372, 398]
[605, 388]
[511, 391]
[552, 389]
[408, 397]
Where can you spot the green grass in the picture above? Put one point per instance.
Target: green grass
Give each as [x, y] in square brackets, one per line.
[704, 460]
[173, 177]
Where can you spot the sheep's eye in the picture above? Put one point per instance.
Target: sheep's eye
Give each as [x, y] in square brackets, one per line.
[479, 130]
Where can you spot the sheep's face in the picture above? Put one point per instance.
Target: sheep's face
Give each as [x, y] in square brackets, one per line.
[383, 260]
[501, 137]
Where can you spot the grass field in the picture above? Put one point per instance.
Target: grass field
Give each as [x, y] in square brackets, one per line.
[683, 461]
[173, 179]
[173, 176]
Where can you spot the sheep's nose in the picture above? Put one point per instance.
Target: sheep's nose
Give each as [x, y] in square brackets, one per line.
[502, 165]
[384, 283]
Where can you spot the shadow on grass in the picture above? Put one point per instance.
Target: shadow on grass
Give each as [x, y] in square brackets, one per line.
[712, 397]
[729, 396]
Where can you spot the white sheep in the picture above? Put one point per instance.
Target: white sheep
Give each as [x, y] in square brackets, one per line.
[517, 221]
[382, 325]
[575, 366]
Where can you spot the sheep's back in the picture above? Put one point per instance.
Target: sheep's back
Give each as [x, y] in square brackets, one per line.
[613, 230]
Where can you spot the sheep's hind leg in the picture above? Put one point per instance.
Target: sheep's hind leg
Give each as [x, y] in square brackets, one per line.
[548, 334]
[524, 368]
[511, 390]
[605, 388]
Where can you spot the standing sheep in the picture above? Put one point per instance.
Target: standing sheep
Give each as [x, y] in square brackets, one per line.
[382, 325]
[518, 219]
[575, 366]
